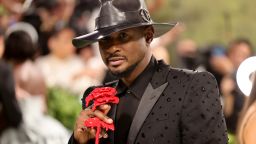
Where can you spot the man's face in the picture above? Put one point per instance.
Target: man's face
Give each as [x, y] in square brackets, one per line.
[122, 51]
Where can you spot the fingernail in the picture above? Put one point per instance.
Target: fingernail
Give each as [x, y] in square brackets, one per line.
[105, 106]
[110, 120]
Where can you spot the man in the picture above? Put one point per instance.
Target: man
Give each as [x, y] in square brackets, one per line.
[158, 104]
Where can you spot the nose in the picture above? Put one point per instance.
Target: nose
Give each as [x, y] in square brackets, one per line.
[113, 48]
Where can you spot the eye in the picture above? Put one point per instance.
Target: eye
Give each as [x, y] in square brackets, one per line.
[105, 39]
[123, 36]
[105, 42]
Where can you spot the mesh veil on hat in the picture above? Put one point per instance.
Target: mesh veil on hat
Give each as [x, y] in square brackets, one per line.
[117, 15]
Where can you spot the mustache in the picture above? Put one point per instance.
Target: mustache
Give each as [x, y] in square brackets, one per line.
[115, 55]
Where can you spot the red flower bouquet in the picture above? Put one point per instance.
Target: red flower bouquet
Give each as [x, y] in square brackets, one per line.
[100, 96]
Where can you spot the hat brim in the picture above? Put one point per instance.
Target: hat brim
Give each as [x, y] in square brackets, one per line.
[85, 40]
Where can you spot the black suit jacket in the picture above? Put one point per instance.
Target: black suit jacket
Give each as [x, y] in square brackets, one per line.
[178, 107]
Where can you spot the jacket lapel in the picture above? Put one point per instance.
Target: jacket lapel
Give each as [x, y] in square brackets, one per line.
[147, 102]
[152, 93]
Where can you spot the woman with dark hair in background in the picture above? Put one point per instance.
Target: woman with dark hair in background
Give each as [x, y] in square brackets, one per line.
[30, 91]
[20, 49]
[10, 114]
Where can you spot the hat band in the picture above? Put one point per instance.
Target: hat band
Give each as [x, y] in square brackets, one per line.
[123, 18]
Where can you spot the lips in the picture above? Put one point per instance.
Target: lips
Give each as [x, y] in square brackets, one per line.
[116, 60]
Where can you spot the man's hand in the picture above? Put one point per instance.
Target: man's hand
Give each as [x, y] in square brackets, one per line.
[81, 133]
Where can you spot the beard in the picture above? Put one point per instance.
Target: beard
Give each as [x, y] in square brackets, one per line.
[125, 73]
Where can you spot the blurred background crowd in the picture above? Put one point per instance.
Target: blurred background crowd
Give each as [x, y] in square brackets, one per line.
[42, 76]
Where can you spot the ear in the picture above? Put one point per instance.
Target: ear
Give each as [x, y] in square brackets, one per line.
[149, 34]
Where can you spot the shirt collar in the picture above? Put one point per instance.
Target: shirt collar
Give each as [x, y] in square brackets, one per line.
[139, 85]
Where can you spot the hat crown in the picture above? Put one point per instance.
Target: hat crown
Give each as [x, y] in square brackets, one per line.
[126, 5]
[117, 15]
[121, 12]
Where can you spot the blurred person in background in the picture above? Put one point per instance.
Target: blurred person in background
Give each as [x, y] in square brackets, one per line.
[247, 120]
[93, 67]
[62, 67]
[46, 16]
[43, 16]
[187, 54]
[10, 12]
[14, 6]
[20, 48]
[238, 50]
[10, 113]
[160, 45]
[65, 11]
[82, 14]
[215, 60]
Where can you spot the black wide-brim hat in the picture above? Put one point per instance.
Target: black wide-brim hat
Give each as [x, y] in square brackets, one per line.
[117, 15]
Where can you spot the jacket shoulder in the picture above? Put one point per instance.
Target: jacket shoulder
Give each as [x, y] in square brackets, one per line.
[189, 73]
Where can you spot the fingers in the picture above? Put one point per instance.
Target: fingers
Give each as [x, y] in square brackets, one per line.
[82, 133]
[92, 133]
[102, 116]
[105, 108]
[100, 113]
[103, 133]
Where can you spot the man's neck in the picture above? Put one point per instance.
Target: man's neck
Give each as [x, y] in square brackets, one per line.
[128, 80]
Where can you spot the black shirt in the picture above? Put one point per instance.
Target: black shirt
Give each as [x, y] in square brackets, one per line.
[129, 100]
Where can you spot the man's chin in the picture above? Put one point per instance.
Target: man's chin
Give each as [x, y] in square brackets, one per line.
[123, 73]
[119, 74]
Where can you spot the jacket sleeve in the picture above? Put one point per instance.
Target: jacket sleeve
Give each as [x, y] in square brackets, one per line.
[202, 120]
[72, 140]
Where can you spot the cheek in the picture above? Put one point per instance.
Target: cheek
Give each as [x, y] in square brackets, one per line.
[141, 48]
[136, 53]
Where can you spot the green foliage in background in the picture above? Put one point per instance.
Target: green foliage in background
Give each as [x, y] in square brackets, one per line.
[209, 21]
[64, 106]
[231, 139]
